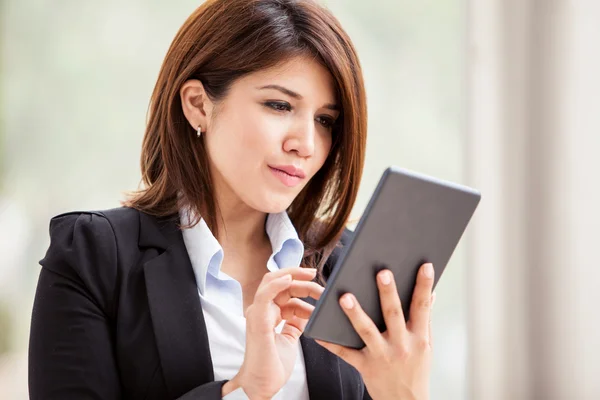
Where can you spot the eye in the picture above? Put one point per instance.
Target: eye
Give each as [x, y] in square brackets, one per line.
[278, 106]
[327, 122]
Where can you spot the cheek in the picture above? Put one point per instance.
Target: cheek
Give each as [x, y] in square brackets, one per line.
[243, 140]
[253, 129]
[240, 148]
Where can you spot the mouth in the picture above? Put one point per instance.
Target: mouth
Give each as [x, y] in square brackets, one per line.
[290, 177]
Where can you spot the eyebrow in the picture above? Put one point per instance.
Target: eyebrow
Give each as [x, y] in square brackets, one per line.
[333, 107]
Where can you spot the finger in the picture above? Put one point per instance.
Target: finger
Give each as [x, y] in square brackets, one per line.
[266, 292]
[300, 289]
[420, 307]
[430, 335]
[363, 324]
[351, 356]
[391, 306]
[294, 327]
[297, 273]
[296, 307]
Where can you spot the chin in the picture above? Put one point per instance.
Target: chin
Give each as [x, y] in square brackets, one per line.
[273, 204]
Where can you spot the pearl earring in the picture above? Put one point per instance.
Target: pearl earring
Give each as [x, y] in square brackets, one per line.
[199, 131]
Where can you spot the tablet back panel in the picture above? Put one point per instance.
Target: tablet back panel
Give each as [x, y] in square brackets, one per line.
[411, 219]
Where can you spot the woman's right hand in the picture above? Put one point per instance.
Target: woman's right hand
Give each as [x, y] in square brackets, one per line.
[270, 357]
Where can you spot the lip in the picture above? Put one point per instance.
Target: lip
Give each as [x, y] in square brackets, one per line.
[288, 179]
[290, 170]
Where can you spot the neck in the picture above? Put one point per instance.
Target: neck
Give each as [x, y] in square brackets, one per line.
[246, 245]
[240, 228]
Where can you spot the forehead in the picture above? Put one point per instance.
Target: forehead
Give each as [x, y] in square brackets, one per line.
[303, 75]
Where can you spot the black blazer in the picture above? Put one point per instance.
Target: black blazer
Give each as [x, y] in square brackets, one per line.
[117, 316]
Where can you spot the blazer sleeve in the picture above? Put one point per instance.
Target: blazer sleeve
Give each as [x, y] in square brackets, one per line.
[71, 349]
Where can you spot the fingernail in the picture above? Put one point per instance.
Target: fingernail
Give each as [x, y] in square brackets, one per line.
[428, 270]
[385, 277]
[287, 278]
[347, 302]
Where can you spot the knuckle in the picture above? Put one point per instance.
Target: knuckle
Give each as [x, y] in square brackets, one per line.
[249, 312]
[423, 343]
[393, 311]
[366, 332]
[387, 358]
[267, 278]
[401, 351]
[293, 302]
[286, 312]
[296, 302]
[259, 293]
[424, 304]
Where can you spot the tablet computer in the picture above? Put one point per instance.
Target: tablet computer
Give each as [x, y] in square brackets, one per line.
[410, 219]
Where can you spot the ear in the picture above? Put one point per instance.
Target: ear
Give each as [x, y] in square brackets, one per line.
[195, 103]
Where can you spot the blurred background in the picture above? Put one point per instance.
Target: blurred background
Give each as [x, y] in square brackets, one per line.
[502, 95]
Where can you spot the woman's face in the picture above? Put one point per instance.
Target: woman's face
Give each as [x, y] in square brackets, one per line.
[270, 135]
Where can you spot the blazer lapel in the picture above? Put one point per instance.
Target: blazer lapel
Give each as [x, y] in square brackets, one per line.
[322, 369]
[177, 317]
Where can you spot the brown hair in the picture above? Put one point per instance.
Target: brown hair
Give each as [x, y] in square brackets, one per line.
[222, 41]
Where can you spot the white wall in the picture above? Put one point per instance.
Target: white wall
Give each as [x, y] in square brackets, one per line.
[533, 149]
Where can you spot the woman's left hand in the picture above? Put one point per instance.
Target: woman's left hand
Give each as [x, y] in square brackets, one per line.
[394, 364]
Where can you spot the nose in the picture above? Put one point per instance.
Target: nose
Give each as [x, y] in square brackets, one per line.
[301, 139]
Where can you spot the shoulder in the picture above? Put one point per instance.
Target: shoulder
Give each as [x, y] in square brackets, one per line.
[100, 228]
[101, 219]
[96, 234]
[85, 248]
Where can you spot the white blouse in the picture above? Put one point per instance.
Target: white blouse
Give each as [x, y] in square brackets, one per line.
[222, 301]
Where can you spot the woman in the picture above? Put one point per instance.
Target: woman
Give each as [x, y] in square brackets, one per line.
[200, 286]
